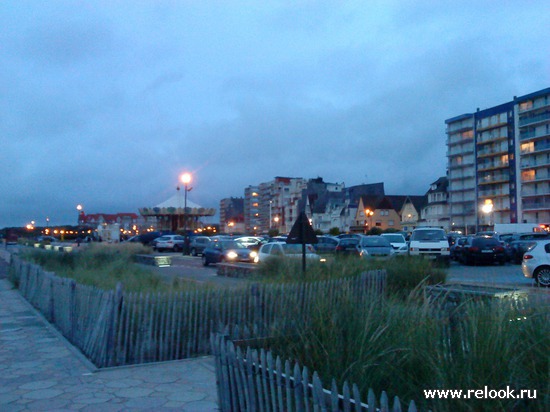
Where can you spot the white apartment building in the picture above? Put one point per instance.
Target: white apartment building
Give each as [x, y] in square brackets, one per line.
[499, 164]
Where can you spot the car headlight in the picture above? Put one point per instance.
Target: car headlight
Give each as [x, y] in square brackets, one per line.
[232, 255]
[363, 253]
[253, 254]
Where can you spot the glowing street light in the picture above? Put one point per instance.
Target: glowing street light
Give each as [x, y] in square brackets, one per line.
[368, 214]
[185, 179]
[487, 208]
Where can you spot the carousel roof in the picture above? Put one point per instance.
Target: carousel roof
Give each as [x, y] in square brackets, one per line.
[175, 206]
[178, 201]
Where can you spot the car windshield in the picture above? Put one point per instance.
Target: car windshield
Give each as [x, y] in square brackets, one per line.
[375, 242]
[349, 242]
[429, 235]
[291, 249]
[395, 238]
[485, 241]
[231, 244]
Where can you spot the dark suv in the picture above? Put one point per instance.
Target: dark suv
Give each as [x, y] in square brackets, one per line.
[482, 250]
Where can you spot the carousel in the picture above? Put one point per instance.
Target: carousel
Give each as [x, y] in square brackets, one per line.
[174, 216]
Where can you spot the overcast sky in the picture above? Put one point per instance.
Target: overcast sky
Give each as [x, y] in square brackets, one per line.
[106, 103]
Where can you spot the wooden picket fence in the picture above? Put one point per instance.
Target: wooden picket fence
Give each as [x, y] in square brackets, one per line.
[114, 328]
[255, 381]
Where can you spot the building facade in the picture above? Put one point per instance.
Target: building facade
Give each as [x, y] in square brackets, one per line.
[232, 215]
[499, 164]
[532, 117]
[252, 220]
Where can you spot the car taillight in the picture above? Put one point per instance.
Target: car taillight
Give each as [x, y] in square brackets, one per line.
[499, 249]
[527, 257]
[473, 249]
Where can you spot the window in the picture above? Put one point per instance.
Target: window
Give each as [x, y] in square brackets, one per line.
[390, 223]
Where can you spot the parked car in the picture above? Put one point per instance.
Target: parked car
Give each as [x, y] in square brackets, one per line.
[285, 250]
[326, 244]
[347, 246]
[251, 242]
[175, 243]
[375, 246]
[197, 245]
[398, 242]
[520, 242]
[456, 248]
[227, 251]
[482, 250]
[147, 237]
[431, 243]
[536, 263]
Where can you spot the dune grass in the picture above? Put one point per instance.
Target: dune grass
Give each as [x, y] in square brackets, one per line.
[403, 346]
[105, 265]
[404, 273]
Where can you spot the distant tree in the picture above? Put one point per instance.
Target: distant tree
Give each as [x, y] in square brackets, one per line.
[334, 231]
[375, 231]
[273, 232]
[318, 232]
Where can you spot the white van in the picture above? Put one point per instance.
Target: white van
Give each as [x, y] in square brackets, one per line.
[430, 242]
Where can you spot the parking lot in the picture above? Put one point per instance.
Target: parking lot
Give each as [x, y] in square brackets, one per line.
[507, 276]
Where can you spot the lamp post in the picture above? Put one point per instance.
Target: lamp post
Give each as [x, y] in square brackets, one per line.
[368, 214]
[487, 208]
[185, 179]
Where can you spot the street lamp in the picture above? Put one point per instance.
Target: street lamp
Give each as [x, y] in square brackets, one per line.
[80, 209]
[368, 214]
[185, 179]
[487, 208]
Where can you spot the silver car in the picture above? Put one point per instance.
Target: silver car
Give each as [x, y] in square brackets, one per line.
[536, 263]
[374, 246]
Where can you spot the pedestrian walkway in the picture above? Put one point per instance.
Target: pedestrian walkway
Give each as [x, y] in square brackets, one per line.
[41, 371]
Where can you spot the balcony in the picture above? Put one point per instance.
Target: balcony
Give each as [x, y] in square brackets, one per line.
[460, 188]
[493, 179]
[539, 177]
[487, 139]
[534, 119]
[536, 204]
[498, 151]
[530, 192]
[460, 151]
[538, 148]
[532, 163]
[459, 129]
[462, 165]
[504, 191]
[537, 105]
[492, 165]
[460, 176]
[532, 134]
[491, 126]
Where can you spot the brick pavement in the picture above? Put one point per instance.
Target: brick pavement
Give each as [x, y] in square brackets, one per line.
[41, 371]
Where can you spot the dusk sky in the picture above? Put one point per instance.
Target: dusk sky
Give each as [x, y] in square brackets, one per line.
[107, 103]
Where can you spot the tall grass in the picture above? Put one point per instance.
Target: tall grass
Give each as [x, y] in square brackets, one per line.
[403, 346]
[105, 265]
[404, 273]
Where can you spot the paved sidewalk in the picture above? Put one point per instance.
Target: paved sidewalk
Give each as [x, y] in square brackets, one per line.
[41, 371]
